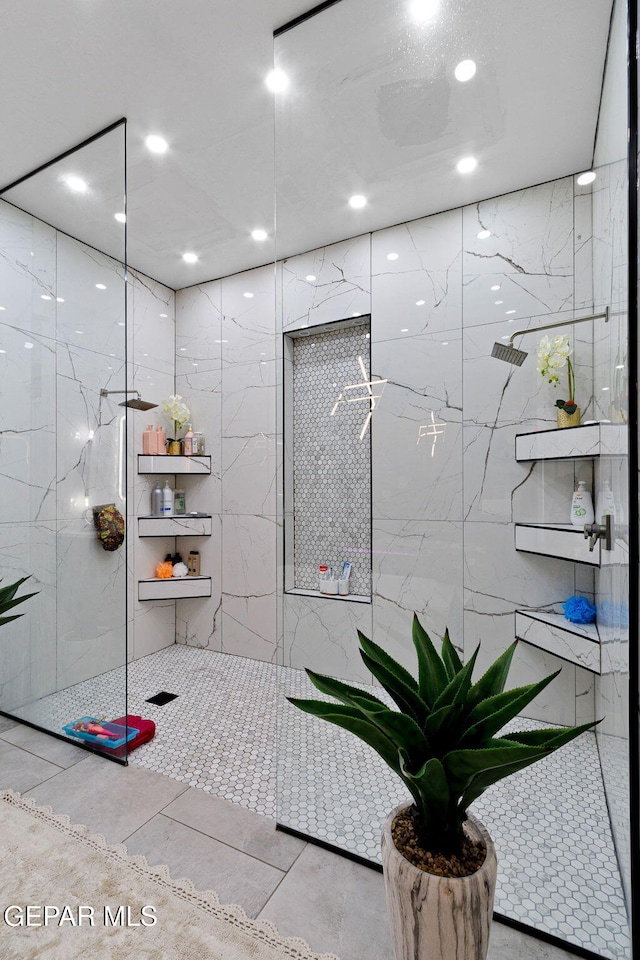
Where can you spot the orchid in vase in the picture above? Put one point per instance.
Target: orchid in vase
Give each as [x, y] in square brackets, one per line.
[178, 412]
[554, 354]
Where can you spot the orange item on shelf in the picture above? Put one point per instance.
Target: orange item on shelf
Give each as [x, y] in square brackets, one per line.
[164, 570]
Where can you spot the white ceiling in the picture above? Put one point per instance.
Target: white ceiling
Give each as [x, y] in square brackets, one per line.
[372, 108]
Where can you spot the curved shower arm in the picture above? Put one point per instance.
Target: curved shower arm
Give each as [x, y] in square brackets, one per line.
[562, 323]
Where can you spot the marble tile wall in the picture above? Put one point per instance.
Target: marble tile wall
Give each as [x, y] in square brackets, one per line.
[228, 374]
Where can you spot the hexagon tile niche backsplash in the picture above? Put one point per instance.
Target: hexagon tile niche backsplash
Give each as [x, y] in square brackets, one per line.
[331, 415]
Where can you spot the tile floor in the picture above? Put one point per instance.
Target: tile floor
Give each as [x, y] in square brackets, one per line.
[334, 904]
[332, 787]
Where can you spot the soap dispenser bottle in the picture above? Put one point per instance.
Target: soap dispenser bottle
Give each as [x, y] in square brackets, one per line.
[604, 501]
[581, 506]
[187, 443]
[156, 500]
[149, 441]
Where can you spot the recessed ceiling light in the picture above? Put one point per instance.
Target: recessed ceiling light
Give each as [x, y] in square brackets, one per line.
[483, 234]
[445, 343]
[45, 296]
[498, 302]
[466, 165]
[3, 308]
[310, 277]
[3, 351]
[164, 315]
[259, 234]
[248, 295]
[182, 349]
[496, 286]
[420, 303]
[620, 366]
[357, 201]
[606, 388]
[120, 217]
[100, 286]
[586, 178]
[277, 80]
[509, 311]
[404, 330]
[60, 299]
[77, 184]
[80, 332]
[423, 10]
[190, 257]
[121, 323]
[28, 345]
[465, 70]
[155, 143]
[392, 256]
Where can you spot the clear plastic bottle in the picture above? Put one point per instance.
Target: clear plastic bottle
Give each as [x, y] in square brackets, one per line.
[187, 443]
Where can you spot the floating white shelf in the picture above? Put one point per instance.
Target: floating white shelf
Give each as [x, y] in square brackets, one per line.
[174, 588]
[354, 597]
[573, 443]
[174, 465]
[561, 540]
[576, 643]
[183, 526]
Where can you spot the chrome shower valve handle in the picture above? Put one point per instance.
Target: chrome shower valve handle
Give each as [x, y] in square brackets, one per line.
[599, 531]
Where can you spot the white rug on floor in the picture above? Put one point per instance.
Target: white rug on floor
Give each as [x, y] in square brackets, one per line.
[47, 861]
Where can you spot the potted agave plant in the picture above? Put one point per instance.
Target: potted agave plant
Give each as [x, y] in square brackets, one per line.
[439, 862]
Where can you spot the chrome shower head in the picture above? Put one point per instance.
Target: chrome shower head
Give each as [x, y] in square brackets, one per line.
[136, 404]
[504, 351]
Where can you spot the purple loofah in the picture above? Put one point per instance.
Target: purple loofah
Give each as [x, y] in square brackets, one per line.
[579, 610]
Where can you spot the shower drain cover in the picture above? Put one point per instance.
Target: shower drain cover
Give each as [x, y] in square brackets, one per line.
[161, 698]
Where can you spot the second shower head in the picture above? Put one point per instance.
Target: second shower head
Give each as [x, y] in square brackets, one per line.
[136, 404]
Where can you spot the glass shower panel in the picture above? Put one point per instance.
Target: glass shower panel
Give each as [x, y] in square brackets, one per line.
[63, 437]
[367, 136]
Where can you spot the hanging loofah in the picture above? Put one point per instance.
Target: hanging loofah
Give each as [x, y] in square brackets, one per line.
[164, 570]
[579, 610]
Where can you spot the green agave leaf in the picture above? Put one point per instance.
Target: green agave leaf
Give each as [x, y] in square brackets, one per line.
[486, 778]
[430, 785]
[4, 620]
[404, 696]
[350, 718]
[493, 681]
[380, 656]
[14, 603]
[463, 766]
[444, 723]
[450, 657]
[457, 689]
[402, 730]
[9, 592]
[341, 691]
[490, 715]
[432, 673]
[551, 737]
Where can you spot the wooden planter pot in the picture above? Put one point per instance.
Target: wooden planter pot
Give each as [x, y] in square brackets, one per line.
[438, 918]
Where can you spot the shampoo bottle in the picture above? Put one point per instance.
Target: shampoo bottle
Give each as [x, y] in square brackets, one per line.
[149, 441]
[161, 441]
[604, 501]
[581, 506]
[167, 500]
[156, 500]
